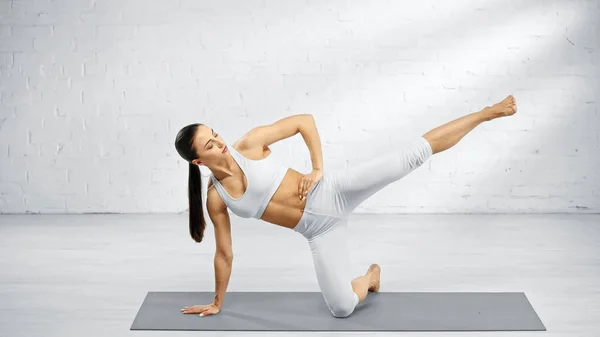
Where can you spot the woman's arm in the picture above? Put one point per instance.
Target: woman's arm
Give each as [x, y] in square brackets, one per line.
[223, 268]
[223, 260]
[308, 130]
[304, 124]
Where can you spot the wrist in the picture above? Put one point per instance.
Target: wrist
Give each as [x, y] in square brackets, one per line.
[217, 302]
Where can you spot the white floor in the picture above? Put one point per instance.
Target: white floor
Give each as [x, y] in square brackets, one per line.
[87, 275]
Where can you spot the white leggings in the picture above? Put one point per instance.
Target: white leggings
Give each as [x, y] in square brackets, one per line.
[332, 199]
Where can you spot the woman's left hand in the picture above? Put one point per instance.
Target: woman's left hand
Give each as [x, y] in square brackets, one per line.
[308, 181]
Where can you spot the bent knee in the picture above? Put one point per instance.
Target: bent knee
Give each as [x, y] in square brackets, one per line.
[341, 311]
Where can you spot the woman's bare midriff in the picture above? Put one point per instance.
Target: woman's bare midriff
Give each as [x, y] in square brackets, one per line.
[285, 207]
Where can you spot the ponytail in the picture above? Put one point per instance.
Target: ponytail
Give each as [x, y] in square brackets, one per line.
[183, 144]
[197, 222]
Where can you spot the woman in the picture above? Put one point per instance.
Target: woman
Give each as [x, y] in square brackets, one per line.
[249, 182]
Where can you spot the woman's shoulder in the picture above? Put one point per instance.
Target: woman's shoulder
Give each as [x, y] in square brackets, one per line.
[214, 201]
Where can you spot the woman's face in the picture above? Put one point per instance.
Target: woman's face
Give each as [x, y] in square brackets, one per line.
[209, 146]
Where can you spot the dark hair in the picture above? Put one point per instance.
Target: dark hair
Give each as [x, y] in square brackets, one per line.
[183, 144]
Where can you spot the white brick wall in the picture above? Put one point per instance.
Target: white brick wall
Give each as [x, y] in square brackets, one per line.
[92, 94]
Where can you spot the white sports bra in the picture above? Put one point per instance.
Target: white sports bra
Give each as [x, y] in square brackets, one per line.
[263, 177]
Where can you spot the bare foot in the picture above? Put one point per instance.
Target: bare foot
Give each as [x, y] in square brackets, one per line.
[506, 107]
[375, 271]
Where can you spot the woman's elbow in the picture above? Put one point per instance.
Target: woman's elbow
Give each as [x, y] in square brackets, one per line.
[227, 256]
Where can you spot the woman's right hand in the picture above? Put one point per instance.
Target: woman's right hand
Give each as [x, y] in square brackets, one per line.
[202, 310]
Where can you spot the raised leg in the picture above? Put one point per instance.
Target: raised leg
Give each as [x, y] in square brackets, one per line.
[449, 134]
[356, 184]
[359, 182]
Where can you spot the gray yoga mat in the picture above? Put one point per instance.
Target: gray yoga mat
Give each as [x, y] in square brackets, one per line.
[306, 311]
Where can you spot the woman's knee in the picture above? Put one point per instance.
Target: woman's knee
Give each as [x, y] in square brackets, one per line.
[345, 307]
[342, 311]
[415, 154]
